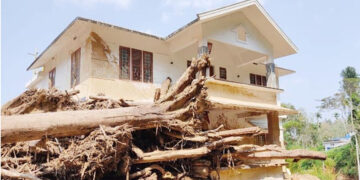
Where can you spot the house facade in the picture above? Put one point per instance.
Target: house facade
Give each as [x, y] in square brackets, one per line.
[243, 81]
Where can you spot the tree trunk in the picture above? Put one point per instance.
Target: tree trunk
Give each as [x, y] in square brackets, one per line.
[71, 123]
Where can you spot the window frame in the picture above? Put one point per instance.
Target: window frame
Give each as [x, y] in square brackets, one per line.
[128, 64]
[132, 65]
[257, 77]
[52, 76]
[75, 68]
[151, 66]
[224, 69]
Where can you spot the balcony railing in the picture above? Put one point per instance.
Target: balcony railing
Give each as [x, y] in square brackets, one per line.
[242, 91]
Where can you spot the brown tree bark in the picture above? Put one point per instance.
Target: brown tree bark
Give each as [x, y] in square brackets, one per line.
[251, 151]
[158, 156]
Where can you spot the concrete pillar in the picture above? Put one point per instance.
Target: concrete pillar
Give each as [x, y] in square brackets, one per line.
[273, 136]
[271, 80]
[203, 47]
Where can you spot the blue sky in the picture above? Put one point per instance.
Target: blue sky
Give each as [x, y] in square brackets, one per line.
[327, 33]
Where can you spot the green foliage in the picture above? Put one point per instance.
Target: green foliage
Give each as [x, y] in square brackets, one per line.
[300, 132]
[349, 72]
[324, 170]
[341, 160]
[345, 159]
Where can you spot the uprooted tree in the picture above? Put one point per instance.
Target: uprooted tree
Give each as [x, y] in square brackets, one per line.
[49, 135]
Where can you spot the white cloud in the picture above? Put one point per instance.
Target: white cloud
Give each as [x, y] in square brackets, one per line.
[92, 3]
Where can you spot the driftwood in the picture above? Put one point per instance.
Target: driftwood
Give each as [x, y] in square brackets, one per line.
[158, 156]
[205, 136]
[273, 152]
[34, 100]
[241, 151]
[104, 138]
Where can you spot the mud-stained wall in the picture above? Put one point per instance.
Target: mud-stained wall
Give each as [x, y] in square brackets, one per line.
[114, 88]
[269, 173]
[103, 64]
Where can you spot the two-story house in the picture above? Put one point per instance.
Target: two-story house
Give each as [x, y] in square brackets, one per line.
[242, 40]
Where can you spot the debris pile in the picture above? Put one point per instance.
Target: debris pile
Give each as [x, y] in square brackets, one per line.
[102, 138]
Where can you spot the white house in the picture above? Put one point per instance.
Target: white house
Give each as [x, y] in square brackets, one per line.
[337, 142]
[242, 40]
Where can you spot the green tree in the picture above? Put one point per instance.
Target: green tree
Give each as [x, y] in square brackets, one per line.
[347, 100]
[300, 131]
[349, 72]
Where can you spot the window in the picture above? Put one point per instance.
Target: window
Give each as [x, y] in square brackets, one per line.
[52, 74]
[136, 56]
[148, 66]
[222, 73]
[75, 68]
[210, 45]
[212, 71]
[124, 63]
[136, 64]
[258, 79]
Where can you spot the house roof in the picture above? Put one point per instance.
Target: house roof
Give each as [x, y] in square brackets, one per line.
[251, 8]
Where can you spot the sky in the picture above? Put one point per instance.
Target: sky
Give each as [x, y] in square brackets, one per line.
[326, 32]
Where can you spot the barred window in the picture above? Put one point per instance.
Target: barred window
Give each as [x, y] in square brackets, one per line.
[136, 57]
[147, 66]
[222, 73]
[124, 63]
[75, 68]
[136, 64]
[258, 79]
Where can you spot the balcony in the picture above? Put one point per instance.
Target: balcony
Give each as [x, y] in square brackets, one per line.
[222, 94]
[252, 98]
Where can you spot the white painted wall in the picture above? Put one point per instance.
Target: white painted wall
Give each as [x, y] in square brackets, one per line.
[223, 29]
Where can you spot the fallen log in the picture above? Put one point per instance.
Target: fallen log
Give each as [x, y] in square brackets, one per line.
[170, 155]
[273, 152]
[71, 123]
[235, 132]
[241, 151]
[203, 137]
